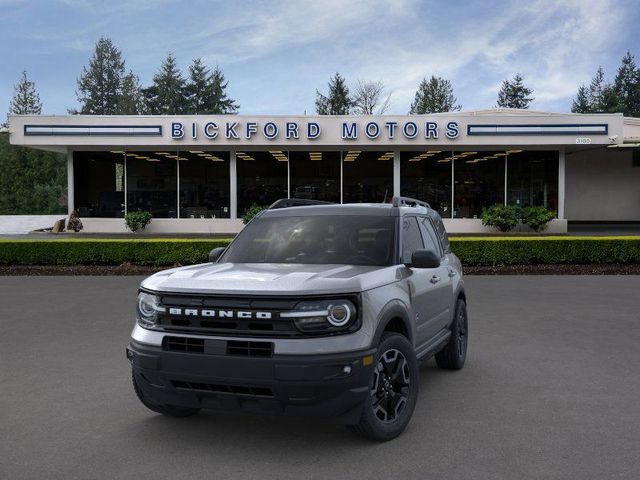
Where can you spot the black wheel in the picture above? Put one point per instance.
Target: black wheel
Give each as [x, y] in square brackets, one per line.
[453, 355]
[169, 410]
[393, 390]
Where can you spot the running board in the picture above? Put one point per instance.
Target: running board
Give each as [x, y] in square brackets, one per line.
[436, 343]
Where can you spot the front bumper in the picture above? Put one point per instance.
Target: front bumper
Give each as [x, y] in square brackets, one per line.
[332, 385]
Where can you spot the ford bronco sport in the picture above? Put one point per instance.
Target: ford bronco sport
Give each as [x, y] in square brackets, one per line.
[318, 310]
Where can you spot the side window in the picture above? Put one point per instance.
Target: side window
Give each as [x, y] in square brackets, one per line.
[411, 238]
[430, 238]
[442, 233]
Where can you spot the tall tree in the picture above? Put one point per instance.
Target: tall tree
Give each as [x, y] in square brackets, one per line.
[370, 98]
[26, 100]
[206, 91]
[627, 86]
[434, 95]
[130, 100]
[100, 83]
[166, 96]
[581, 104]
[514, 93]
[337, 101]
[596, 89]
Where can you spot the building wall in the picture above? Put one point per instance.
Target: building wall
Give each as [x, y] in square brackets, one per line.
[602, 185]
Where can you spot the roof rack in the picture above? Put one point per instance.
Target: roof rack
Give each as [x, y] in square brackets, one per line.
[296, 202]
[409, 202]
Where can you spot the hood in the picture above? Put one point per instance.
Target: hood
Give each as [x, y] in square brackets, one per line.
[271, 279]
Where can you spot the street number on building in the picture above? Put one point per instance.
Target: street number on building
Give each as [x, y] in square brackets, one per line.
[583, 141]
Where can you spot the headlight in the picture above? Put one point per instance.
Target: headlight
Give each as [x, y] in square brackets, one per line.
[323, 316]
[148, 309]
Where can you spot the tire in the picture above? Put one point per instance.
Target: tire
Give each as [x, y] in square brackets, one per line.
[454, 354]
[389, 406]
[169, 410]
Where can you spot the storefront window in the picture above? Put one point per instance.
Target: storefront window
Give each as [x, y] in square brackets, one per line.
[532, 178]
[426, 175]
[204, 184]
[152, 183]
[99, 184]
[367, 177]
[479, 182]
[315, 175]
[262, 178]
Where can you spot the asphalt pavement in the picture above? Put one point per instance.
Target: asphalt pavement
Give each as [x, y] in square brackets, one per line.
[551, 390]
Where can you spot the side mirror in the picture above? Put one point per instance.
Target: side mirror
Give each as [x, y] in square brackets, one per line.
[424, 259]
[214, 254]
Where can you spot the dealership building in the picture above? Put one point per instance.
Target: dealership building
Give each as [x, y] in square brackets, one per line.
[199, 174]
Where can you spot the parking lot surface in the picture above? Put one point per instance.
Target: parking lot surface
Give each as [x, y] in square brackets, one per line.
[551, 389]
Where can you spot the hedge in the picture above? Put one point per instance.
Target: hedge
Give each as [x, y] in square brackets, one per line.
[157, 252]
[471, 250]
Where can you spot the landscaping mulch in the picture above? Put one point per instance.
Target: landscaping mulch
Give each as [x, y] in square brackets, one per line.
[591, 269]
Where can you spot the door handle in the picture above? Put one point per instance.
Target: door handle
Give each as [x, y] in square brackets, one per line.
[435, 279]
[452, 273]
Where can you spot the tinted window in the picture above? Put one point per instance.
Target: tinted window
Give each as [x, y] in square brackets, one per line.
[411, 238]
[315, 239]
[430, 239]
[442, 233]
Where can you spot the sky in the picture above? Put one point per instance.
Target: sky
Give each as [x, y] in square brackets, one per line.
[275, 54]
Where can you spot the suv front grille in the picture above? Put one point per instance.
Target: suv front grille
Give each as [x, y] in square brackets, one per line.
[217, 347]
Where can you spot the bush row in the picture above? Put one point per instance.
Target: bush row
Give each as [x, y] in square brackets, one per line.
[472, 251]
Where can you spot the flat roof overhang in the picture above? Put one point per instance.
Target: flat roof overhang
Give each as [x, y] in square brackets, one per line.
[454, 130]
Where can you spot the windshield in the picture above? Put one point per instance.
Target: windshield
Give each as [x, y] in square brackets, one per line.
[340, 239]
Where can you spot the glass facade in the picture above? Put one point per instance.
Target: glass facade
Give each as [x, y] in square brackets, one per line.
[204, 184]
[315, 175]
[426, 176]
[197, 184]
[262, 178]
[367, 177]
[99, 184]
[152, 183]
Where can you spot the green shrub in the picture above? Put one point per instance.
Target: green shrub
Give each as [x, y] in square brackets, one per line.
[546, 250]
[137, 220]
[252, 211]
[503, 217]
[107, 252]
[537, 217]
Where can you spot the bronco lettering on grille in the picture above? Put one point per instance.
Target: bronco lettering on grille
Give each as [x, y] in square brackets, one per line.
[241, 314]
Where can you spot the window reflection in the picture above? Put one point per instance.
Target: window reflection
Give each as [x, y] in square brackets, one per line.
[426, 175]
[262, 178]
[367, 176]
[99, 184]
[532, 178]
[315, 175]
[204, 184]
[152, 183]
[478, 180]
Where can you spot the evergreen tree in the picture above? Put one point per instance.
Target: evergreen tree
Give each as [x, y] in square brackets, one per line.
[434, 95]
[596, 88]
[337, 101]
[26, 100]
[166, 96]
[627, 86]
[514, 93]
[206, 92]
[581, 104]
[100, 84]
[130, 101]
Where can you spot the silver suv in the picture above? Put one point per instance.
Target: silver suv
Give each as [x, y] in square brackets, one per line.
[317, 310]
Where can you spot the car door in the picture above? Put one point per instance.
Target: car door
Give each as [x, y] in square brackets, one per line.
[424, 283]
[442, 304]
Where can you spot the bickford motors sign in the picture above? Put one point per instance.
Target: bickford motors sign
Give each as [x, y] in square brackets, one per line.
[290, 130]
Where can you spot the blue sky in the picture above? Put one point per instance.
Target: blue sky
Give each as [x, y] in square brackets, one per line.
[276, 53]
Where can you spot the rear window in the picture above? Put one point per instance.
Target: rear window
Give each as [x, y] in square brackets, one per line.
[315, 239]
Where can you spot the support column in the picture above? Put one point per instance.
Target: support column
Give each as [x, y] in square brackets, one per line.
[396, 173]
[70, 193]
[233, 186]
[506, 168]
[561, 183]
